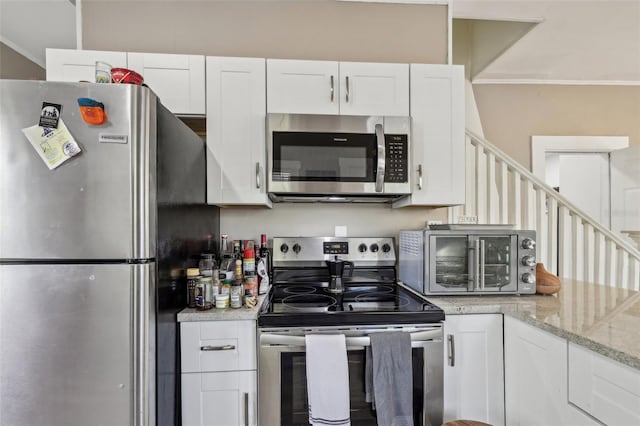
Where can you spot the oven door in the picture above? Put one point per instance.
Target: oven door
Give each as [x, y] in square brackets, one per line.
[282, 375]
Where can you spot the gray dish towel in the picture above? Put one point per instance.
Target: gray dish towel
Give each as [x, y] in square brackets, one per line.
[389, 378]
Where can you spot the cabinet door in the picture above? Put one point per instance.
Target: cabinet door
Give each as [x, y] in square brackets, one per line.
[219, 399]
[535, 365]
[80, 65]
[437, 136]
[473, 372]
[374, 89]
[236, 145]
[606, 389]
[178, 80]
[302, 87]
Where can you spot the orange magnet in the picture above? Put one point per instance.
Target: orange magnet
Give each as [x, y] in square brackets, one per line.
[92, 111]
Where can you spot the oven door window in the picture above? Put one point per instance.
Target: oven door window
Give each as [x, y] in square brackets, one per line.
[450, 263]
[499, 255]
[294, 408]
[324, 157]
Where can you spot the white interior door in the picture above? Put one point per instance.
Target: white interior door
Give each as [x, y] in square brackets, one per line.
[584, 179]
[625, 189]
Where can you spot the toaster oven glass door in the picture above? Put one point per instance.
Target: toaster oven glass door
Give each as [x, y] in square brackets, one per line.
[472, 263]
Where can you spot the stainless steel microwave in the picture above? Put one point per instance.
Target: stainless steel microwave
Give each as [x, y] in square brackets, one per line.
[461, 260]
[337, 157]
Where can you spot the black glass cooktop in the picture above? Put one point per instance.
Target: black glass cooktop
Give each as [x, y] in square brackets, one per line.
[312, 304]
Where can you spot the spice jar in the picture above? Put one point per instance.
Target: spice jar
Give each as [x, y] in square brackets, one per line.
[192, 280]
[204, 293]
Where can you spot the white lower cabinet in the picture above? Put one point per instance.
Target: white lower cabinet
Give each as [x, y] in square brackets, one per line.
[605, 389]
[473, 368]
[535, 365]
[219, 399]
[219, 373]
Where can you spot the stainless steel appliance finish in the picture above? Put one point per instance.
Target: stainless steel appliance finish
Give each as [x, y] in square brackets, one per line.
[337, 157]
[301, 301]
[81, 258]
[281, 364]
[468, 260]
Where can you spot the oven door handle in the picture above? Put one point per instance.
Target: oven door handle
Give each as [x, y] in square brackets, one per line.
[285, 340]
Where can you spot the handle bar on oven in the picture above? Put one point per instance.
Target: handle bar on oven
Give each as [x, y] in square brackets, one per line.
[280, 339]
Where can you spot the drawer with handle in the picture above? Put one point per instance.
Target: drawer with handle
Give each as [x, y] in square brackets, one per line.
[218, 346]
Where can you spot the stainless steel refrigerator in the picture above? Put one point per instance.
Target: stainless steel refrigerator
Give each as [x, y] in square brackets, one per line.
[87, 314]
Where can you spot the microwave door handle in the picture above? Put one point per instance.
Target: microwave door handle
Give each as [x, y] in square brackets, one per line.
[482, 264]
[381, 158]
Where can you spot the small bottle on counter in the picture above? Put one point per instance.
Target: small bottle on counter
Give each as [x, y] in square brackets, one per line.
[237, 287]
[250, 300]
[192, 280]
[204, 293]
[249, 262]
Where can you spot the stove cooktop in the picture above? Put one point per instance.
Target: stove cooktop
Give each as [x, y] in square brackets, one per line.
[362, 303]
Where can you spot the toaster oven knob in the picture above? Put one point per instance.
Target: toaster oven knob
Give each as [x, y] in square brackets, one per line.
[296, 248]
[528, 278]
[386, 248]
[529, 261]
[374, 248]
[362, 248]
[528, 244]
[284, 248]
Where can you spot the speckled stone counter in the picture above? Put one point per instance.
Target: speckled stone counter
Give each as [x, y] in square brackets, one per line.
[228, 314]
[601, 318]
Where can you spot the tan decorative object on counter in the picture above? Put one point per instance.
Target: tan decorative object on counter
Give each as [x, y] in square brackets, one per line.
[546, 282]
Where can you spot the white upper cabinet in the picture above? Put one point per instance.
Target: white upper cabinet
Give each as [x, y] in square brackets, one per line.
[374, 89]
[236, 147]
[348, 88]
[473, 368]
[79, 65]
[178, 80]
[437, 136]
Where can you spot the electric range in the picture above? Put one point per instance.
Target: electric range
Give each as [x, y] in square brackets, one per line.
[301, 295]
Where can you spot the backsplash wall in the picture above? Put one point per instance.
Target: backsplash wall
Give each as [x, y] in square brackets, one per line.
[295, 219]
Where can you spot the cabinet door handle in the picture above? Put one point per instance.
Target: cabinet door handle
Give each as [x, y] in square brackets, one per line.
[246, 409]
[451, 350]
[209, 348]
[347, 94]
[420, 176]
[258, 175]
[332, 89]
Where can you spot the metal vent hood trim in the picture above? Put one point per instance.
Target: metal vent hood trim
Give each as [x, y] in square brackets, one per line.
[362, 199]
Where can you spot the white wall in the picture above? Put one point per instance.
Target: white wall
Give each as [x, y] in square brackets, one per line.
[292, 219]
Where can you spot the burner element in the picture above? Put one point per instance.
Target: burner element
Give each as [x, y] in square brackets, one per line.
[309, 302]
[299, 289]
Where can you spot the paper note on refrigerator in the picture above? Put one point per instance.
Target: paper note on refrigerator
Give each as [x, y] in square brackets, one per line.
[55, 146]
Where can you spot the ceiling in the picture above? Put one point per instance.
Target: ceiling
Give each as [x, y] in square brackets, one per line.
[584, 40]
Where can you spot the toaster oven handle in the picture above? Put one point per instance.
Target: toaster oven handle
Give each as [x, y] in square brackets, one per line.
[476, 263]
[381, 158]
[288, 340]
[482, 265]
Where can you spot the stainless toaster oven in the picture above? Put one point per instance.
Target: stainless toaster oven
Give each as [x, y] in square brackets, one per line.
[464, 259]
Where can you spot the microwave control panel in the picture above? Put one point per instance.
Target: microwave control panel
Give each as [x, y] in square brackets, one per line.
[397, 159]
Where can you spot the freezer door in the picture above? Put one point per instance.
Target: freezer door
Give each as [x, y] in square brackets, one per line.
[77, 344]
[97, 205]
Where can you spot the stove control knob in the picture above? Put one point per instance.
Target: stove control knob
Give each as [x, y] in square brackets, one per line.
[284, 248]
[296, 248]
[529, 278]
[529, 261]
[362, 248]
[386, 248]
[528, 244]
[374, 248]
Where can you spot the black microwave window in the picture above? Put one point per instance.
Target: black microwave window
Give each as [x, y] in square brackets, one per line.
[334, 157]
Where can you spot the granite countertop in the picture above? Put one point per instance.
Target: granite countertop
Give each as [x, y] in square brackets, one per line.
[227, 314]
[601, 318]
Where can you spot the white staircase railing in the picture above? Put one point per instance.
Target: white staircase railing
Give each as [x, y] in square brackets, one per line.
[569, 242]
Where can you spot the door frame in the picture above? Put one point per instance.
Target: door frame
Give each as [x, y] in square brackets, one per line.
[540, 145]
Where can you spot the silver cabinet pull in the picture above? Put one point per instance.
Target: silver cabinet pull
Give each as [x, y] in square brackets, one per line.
[347, 94]
[218, 348]
[451, 350]
[419, 176]
[381, 158]
[332, 89]
[258, 175]
[246, 409]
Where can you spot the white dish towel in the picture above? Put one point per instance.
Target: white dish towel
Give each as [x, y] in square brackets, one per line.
[327, 379]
